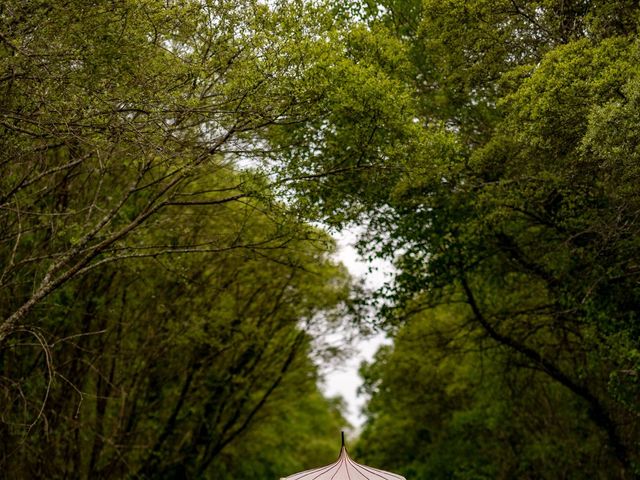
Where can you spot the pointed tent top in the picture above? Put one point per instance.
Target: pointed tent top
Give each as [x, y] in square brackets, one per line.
[344, 469]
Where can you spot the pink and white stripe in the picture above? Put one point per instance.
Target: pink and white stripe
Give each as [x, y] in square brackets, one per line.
[344, 469]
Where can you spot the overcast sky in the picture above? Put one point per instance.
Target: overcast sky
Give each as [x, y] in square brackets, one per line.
[344, 379]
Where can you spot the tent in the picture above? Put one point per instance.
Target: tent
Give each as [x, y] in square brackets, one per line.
[344, 469]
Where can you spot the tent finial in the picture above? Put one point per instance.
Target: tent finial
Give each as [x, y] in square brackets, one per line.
[342, 439]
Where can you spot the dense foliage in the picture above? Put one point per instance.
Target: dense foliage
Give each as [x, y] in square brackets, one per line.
[499, 171]
[156, 300]
[160, 287]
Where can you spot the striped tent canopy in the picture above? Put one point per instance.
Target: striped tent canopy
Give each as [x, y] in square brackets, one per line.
[344, 469]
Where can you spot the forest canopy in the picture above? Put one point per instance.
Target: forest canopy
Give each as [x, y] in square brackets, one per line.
[157, 297]
[499, 173]
[165, 172]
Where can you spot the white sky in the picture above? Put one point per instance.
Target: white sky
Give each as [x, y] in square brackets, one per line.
[344, 380]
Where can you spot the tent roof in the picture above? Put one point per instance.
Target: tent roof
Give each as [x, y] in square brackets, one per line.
[344, 469]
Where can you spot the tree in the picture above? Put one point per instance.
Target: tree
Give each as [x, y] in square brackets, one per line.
[156, 296]
[483, 181]
[159, 369]
[112, 115]
[446, 402]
